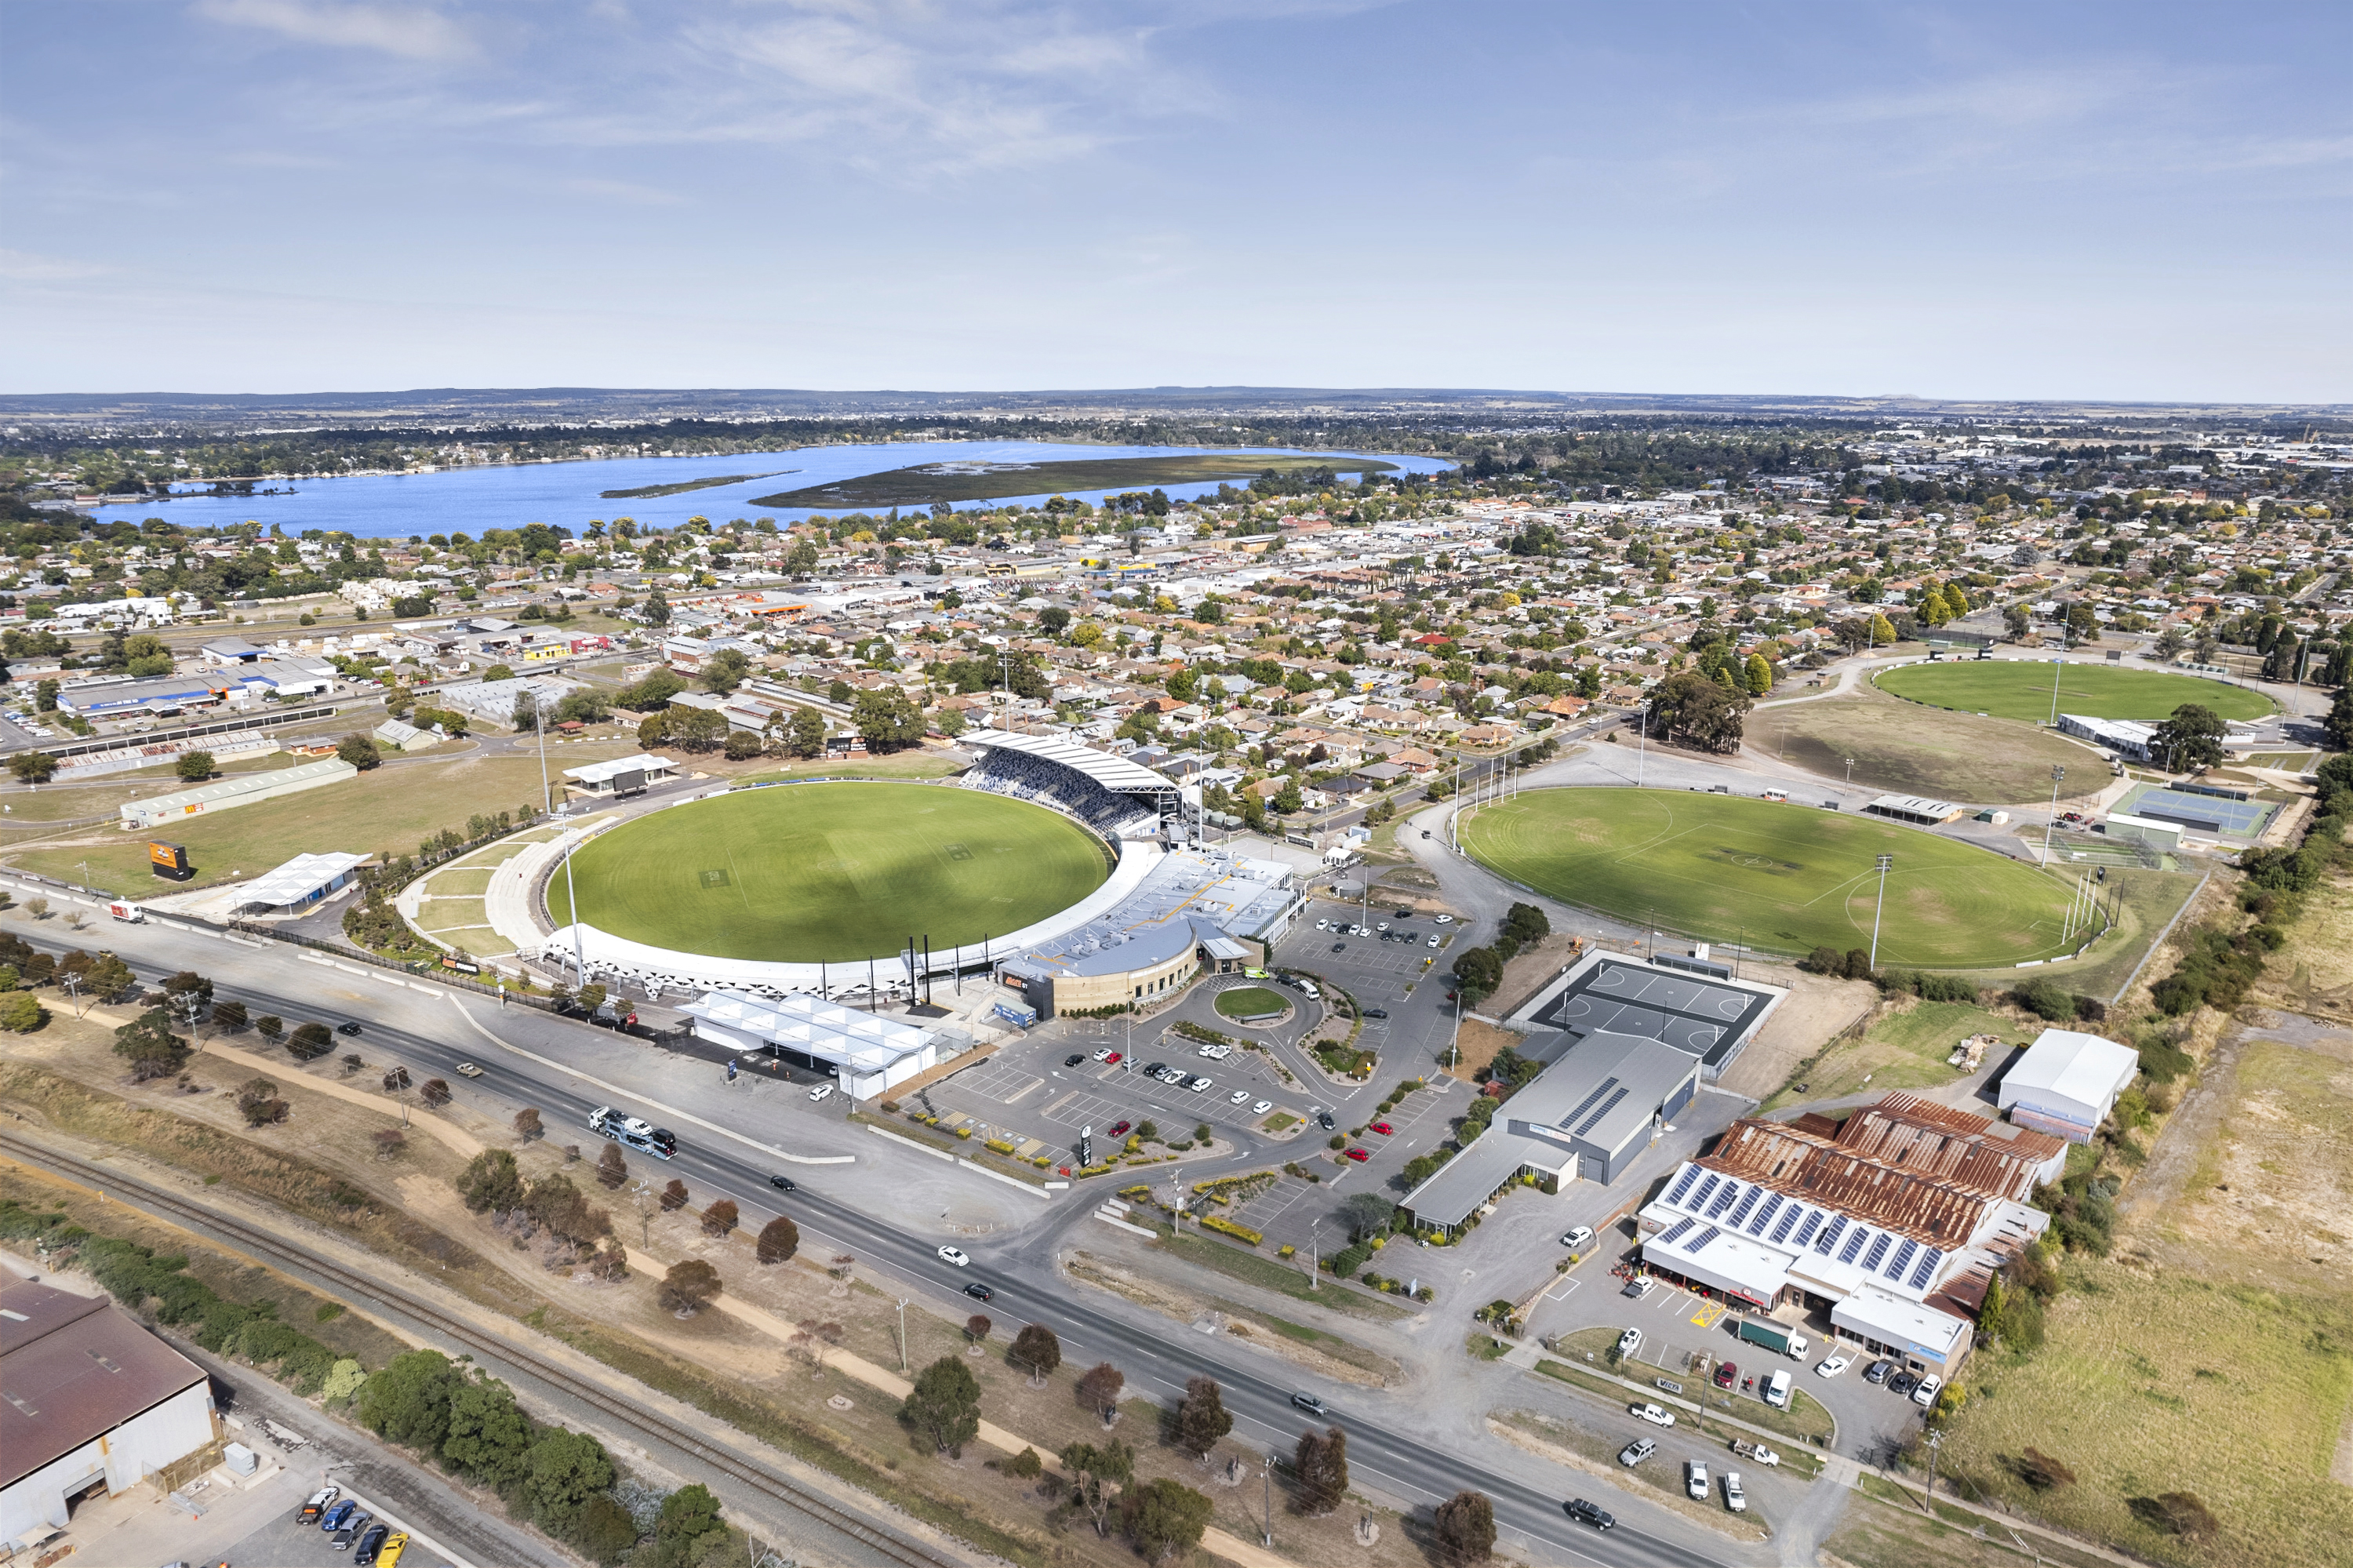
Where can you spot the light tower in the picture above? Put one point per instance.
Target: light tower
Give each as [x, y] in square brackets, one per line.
[1884, 862]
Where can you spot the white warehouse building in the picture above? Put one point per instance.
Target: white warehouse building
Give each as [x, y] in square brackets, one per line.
[2067, 1083]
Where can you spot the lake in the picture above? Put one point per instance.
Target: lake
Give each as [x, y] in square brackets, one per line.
[470, 499]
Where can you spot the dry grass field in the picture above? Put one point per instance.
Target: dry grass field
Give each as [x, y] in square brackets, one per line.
[1912, 750]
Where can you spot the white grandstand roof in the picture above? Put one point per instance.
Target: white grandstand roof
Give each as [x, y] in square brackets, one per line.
[1110, 772]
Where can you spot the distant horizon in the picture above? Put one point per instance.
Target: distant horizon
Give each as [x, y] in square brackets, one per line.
[1785, 403]
[2095, 203]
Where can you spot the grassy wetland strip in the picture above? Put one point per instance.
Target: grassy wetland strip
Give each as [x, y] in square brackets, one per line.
[651, 492]
[922, 485]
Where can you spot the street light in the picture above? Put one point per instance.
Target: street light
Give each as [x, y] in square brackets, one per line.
[1884, 862]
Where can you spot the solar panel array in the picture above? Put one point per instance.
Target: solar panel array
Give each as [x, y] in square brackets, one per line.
[1607, 1084]
[1783, 1221]
[1606, 1107]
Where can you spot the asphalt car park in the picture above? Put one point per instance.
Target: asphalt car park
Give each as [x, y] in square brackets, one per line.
[1677, 1323]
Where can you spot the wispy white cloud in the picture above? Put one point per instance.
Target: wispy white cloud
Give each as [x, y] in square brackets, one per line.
[32, 267]
[624, 191]
[410, 32]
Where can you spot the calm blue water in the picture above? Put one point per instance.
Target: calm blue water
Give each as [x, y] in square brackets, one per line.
[468, 501]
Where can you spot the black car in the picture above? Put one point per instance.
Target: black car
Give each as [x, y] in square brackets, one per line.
[1377, 1012]
[371, 1544]
[980, 1292]
[1076, 1058]
[1593, 1514]
[1154, 1070]
[781, 1183]
[1339, 947]
[1405, 913]
[347, 1029]
[1879, 1371]
[1903, 1382]
[1324, 1120]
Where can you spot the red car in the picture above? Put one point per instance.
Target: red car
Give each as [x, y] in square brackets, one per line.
[1119, 1129]
[1724, 1372]
[1112, 1060]
[1358, 1155]
[1383, 1127]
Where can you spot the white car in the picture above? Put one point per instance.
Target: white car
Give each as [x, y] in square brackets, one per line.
[1927, 1392]
[1652, 1414]
[1323, 924]
[1579, 1239]
[822, 1092]
[1629, 1341]
[1205, 1050]
[955, 1256]
[1380, 924]
[1734, 1498]
[1238, 1095]
[1695, 1479]
[1433, 941]
[1833, 1366]
[1443, 919]
[1261, 1108]
[1198, 1084]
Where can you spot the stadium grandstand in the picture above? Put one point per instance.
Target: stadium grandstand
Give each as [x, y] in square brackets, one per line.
[1115, 797]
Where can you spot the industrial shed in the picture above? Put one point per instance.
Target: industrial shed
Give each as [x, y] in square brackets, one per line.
[2067, 1083]
[88, 1398]
[245, 789]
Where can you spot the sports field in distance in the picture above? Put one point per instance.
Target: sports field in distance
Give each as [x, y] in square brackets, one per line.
[1789, 878]
[811, 872]
[2021, 689]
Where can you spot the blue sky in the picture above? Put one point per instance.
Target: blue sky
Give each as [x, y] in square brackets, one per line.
[2142, 201]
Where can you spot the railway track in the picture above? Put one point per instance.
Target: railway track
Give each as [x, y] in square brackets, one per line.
[264, 1244]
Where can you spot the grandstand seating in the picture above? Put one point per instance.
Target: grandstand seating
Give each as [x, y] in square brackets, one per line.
[1025, 778]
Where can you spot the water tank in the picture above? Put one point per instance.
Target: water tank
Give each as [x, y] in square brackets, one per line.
[240, 1459]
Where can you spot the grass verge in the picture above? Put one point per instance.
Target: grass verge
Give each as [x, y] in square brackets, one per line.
[1268, 1275]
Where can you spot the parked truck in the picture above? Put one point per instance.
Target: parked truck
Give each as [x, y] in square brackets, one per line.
[1773, 1337]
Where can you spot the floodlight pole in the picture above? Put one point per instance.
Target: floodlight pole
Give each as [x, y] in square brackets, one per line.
[1884, 862]
[2057, 665]
[2057, 773]
[1644, 754]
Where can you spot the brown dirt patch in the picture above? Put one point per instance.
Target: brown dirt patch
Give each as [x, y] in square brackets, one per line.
[1479, 1042]
[1816, 1009]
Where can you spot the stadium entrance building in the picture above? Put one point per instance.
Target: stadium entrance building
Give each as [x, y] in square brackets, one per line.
[1194, 912]
[1890, 1223]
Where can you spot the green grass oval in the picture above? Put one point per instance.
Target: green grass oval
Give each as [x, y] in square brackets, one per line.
[811, 872]
[2021, 689]
[1786, 878]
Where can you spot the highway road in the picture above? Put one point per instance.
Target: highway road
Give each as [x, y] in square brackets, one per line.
[1021, 1270]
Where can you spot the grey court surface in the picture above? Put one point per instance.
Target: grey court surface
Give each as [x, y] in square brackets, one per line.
[1691, 1014]
[2200, 813]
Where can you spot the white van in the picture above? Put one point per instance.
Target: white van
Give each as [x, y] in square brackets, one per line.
[1777, 1391]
